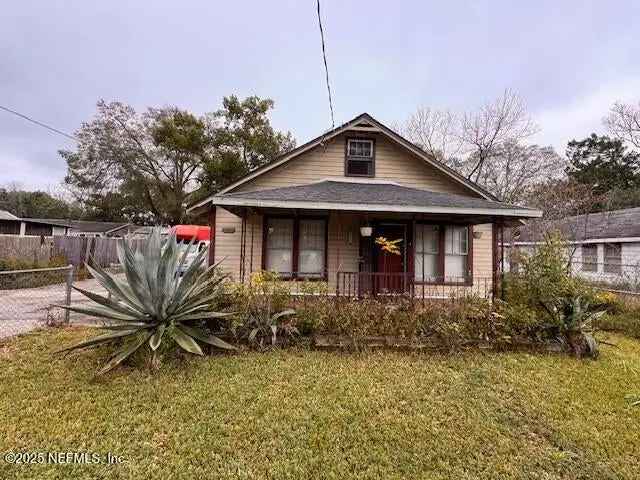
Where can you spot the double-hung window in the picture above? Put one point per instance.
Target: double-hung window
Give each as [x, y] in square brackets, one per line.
[456, 249]
[612, 258]
[311, 246]
[589, 257]
[360, 158]
[279, 248]
[441, 253]
[295, 248]
[427, 249]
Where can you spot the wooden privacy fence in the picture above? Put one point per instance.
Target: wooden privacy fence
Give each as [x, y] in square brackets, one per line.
[76, 250]
[31, 249]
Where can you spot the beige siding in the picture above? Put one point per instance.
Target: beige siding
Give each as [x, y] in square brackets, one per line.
[227, 245]
[343, 250]
[344, 242]
[393, 163]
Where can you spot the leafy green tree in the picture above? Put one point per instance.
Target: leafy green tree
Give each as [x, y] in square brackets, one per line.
[603, 163]
[146, 167]
[152, 158]
[36, 204]
[242, 140]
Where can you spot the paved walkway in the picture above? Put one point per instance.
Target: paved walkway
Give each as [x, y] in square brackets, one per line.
[25, 309]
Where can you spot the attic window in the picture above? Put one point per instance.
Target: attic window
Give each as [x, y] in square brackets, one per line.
[360, 158]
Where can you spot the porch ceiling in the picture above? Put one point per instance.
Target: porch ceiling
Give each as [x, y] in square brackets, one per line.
[381, 198]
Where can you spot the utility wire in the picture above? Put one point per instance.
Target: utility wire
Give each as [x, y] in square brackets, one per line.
[326, 69]
[44, 125]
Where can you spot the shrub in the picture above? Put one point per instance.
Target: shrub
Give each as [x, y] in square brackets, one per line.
[563, 305]
[622, 316]
[12, 281]
[154, 302]
[262, 309]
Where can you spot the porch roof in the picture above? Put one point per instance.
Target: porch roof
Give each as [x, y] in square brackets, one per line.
[370, 197]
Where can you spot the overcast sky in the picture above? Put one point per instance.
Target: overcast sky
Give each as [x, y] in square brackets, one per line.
[570, 60]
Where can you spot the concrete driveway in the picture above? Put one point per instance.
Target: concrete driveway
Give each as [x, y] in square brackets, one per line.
[25, 309]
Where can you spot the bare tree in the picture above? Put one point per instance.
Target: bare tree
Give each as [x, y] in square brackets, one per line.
[436, 132]
[623, 122]
[483, 131]
[566, 207]
[513, 169]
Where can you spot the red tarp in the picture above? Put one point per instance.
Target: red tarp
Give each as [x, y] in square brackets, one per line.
[187, 232]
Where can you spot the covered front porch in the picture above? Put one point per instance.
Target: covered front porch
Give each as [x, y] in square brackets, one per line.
[441, 248]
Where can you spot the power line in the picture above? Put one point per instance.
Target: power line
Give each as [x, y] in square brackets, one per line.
[326, 68]
[44, 125]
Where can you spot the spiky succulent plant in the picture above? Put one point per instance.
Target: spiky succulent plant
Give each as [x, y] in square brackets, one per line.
[154, 301]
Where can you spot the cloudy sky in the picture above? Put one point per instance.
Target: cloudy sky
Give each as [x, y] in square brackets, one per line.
[570, 60]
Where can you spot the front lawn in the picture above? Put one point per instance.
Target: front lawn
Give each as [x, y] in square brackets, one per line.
[307, 414]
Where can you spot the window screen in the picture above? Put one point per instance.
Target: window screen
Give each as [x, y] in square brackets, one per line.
[456, 249]
[312, 248]
[279, 248]
[427, 245]
[612, 258]
[589, 258]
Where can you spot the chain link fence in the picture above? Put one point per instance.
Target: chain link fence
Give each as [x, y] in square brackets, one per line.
[29, 298]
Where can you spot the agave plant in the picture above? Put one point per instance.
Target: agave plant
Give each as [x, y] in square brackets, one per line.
[154, 302]
[574, 317]
[264, 324]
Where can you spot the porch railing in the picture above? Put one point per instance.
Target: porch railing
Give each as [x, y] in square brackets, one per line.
[359, 284]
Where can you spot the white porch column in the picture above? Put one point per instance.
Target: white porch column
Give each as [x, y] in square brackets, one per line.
[23, 229]
[600, 266]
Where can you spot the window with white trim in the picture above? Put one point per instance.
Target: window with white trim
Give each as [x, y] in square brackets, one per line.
[613, 258]
[427, 249]
[359, 161]
[456, 250]
[590, 258]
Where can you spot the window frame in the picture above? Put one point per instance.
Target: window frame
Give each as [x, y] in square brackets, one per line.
[371, 159]
[295, 248]
[441, 278]
[593, 262]
[617, 266]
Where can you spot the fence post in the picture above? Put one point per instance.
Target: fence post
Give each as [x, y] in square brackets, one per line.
[68, 298]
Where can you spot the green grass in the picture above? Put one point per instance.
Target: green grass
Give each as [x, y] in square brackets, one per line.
[305, 414]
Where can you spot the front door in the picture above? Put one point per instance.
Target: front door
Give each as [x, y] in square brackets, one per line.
[390, 267]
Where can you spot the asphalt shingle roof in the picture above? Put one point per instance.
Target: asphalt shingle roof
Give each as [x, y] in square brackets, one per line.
[614, 224]
[368, 193]
[81, 225]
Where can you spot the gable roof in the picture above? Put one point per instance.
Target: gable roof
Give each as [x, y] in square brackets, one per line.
[612, 225]
[81, 225]
[375, 197]
[4, 215]
[363, 122]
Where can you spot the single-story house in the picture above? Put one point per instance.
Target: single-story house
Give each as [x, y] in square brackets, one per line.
[319, 211]
[12, 225]
[48, 227]
[603, 246]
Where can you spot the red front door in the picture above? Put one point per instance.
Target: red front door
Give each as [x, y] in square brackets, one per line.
[390, 268]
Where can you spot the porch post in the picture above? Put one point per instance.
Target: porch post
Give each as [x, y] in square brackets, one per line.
[494, 258]
[212, 235]
[502, 261]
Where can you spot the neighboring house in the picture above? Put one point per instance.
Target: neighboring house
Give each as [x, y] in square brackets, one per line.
[12, 225]
[603, 246]
[315, 213]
